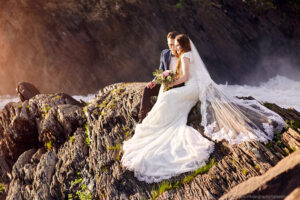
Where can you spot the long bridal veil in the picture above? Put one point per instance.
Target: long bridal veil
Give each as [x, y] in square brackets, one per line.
[227, 117]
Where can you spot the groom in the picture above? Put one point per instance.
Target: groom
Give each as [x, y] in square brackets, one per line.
[167, 62]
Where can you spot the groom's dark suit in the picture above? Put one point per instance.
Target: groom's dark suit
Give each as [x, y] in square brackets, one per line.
[165, 58]
[145, 107]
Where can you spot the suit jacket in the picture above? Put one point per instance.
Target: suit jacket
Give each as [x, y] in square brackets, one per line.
[165, 58]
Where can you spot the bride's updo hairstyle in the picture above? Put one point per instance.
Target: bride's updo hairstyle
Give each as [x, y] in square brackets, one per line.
[185, 45]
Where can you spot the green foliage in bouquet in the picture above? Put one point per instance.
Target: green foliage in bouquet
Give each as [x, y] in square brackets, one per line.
[164, 77]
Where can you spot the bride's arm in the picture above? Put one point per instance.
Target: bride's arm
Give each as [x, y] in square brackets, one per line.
[185, 63]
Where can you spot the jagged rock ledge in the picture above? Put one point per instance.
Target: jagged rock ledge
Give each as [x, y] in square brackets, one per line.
[54, 147]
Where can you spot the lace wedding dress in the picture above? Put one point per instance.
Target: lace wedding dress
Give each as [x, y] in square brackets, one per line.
[163, 145]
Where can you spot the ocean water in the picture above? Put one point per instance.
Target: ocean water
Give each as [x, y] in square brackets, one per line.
[4, 99]
[279, 90]
[84, 98]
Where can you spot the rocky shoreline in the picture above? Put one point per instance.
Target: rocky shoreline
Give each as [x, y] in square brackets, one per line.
[54, 147]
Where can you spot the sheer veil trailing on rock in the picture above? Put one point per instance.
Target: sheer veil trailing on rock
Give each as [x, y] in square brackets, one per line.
[227, 117]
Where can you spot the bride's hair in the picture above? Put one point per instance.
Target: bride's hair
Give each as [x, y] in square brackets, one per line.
[184, 42]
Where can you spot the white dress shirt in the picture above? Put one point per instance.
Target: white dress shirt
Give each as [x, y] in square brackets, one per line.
[173, 63]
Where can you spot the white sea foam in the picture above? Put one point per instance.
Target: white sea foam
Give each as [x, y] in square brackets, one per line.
[279, 90]
[4, 99]
[84, 98]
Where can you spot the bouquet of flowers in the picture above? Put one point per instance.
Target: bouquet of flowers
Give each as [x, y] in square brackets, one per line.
[163, 77]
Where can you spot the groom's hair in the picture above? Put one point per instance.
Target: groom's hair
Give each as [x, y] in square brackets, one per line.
[172, 34]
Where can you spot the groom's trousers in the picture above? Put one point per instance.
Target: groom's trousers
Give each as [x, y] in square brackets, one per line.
[145, 106]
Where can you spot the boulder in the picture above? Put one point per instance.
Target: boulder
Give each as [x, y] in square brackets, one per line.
[26, 91]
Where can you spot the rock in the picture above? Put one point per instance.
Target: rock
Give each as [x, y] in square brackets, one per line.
[78, 150]
[60, 122]
[295, 195]
[23, 159]
[245, 98]
[32, 121]
[20, 173]
[43, 176]
[26, 91]
[72, 165]
[277, 182]
[17, 123]
[286, 114]
[292, 139]
[32, 124]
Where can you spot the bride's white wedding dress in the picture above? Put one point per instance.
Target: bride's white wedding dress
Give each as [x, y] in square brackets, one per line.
[164, 146]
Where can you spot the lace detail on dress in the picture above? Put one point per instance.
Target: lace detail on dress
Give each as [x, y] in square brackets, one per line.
[237, 120]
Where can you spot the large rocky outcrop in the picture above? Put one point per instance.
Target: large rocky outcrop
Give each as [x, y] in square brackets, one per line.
[87, 45]
[75, 150]
[32, 123]
[277, 182]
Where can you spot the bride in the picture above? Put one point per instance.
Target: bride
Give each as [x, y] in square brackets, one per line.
[163, 145]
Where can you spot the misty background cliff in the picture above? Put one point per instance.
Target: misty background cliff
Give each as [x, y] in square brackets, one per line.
[78, 46]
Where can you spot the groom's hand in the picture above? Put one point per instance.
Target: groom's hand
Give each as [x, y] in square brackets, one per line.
[151, 84]
[169, 85]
